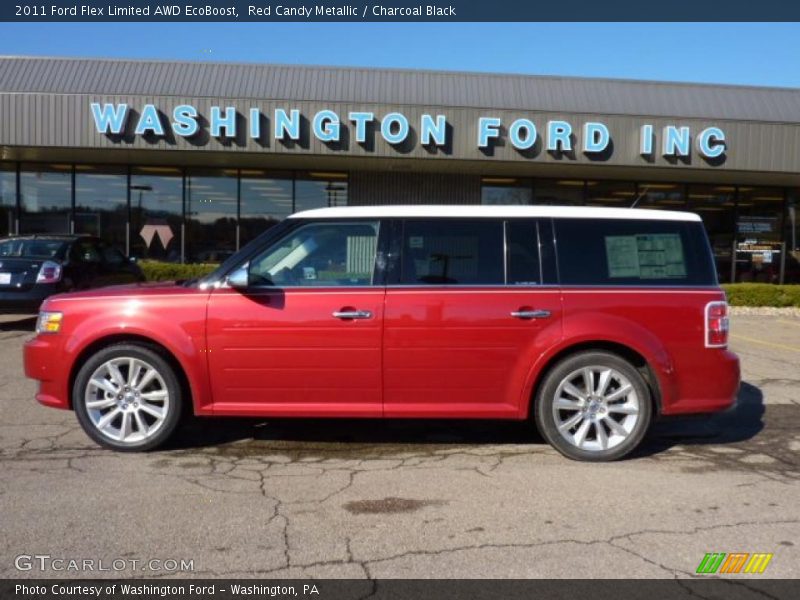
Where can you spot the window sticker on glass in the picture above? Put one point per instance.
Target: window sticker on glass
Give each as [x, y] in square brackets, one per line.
[646, 256]
[416, 241]
[309, 273]
[623, 256]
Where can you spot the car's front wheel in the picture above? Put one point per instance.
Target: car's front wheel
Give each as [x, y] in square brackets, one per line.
[593, 406]
[127, 397]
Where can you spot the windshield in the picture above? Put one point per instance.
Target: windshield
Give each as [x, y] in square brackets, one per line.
[27, 248]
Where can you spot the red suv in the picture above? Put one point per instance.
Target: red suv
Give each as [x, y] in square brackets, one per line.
[592, 321]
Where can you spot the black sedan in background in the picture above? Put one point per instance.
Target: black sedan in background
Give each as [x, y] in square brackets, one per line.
[34, 267]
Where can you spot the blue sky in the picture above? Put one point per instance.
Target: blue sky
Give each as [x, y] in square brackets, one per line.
[742, 53]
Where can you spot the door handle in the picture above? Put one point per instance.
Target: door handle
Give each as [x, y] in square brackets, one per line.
[530, 314]
[352, 314]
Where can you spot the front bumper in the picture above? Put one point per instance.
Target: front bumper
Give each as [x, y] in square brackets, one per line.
[43, 361]
[27, 301]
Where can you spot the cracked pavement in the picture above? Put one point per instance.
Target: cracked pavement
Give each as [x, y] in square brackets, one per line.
[356, 499]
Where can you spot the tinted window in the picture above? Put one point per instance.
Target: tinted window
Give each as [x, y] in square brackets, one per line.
[111, 256]
[633, 252]
[320, 254]
[86, 251]
[451, 251]
[46, 192]
[33, 248]
[522, 246]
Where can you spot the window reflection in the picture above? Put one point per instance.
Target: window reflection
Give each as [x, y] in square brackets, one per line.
[661, 196]
[506, 191]
[559, 192]
[8, 198]
[46, 192]
[266, 200]
[758, 234]
[792, 237]
[101, 203]
[210, 215]
[620, 194]
[156, 213]
[716, 205]
[319, 190]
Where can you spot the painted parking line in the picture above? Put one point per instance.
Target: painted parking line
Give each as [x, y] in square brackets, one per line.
[763, 343]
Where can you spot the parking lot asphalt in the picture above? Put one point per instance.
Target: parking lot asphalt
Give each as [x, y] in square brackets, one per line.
[247, 498]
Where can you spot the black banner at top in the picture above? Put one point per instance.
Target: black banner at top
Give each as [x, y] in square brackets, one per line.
[399, 11]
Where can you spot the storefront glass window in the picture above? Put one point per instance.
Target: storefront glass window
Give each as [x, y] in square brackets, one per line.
[661, 196]
[46, 198]
[759, 246]
[319, 190]
[716, 205]
[559, 192]
[506, 190]
[156, 213]
[210, 215]
[792, 237]
[8, 198]
[101, 203]
[266, 200]
[618, 194]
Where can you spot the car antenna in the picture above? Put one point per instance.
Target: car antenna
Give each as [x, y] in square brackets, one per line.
[639, 197]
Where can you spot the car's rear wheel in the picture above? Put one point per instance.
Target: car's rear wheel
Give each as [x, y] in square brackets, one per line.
[594, 406]
[127, 397]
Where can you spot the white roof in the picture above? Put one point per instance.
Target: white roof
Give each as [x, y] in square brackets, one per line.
[487, 211]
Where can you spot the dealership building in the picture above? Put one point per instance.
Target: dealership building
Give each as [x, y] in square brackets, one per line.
[186, 161]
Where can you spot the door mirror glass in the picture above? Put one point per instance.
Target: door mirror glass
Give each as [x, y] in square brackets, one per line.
[239, 278]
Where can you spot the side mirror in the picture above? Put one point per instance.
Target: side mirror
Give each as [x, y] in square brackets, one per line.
[240, 278]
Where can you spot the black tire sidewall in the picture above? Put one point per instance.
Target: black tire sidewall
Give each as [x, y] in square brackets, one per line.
[543, 405]
[163, 367]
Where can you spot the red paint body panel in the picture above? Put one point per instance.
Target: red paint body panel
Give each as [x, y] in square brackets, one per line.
[460, 353]
[282, 352]
[425, 352]
[172, 316]
[665, 326]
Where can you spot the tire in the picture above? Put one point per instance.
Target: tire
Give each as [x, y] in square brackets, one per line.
[127, 398]
[579, 425]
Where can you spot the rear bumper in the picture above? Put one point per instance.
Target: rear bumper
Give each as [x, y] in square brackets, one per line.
[41, 362]
[712, 388]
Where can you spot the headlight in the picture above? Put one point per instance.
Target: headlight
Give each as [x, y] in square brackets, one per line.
[49, 322]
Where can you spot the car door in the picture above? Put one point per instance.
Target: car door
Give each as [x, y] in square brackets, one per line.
[84, 264]
[466, 316]
[115, 268]
[303, 338]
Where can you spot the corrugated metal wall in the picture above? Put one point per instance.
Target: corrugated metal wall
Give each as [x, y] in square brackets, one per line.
[376, 187]
[57, 120]
[387, 86]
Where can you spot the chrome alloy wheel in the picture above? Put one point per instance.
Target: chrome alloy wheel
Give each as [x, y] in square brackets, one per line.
[127, 399]
[595, 408]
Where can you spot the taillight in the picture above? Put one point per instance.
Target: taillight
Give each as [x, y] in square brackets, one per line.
[49, 272]
[716, 325]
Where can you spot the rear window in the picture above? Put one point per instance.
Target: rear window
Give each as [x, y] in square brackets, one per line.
[23, 248]
[633, 252]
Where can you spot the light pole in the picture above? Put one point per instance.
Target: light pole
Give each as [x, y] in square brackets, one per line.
[141, 189]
